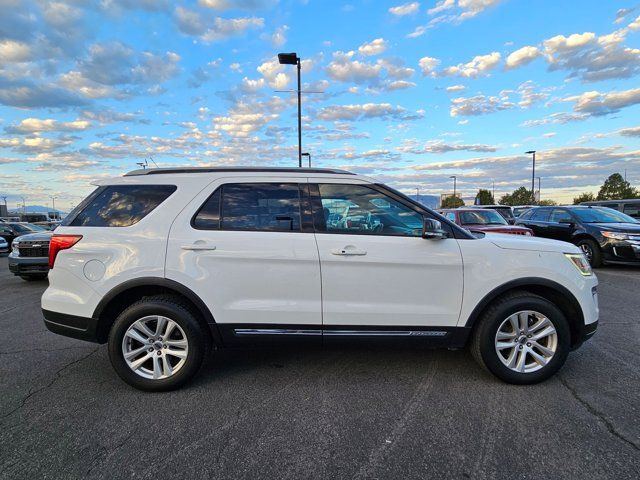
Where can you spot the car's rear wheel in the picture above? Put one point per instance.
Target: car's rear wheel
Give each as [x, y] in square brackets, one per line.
[157, 344]
[591, 250]
[522, 338]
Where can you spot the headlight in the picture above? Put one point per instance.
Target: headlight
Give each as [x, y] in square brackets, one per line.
[14, 246]
[616, 235]
[580, 262]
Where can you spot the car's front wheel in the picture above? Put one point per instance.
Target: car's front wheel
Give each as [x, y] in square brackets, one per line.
[157, 344]
[522, 338]
[591, 250]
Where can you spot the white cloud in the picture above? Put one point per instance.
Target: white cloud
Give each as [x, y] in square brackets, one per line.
[361, 111]
[522, 56]
[438, 146]
[405, 9]
[630, 132]
[428, 65]
[556, 118]
[223, 5]
[274, 74]
[37, 125]
[250, 85]
[375, 47]
[14, 51]
[482, 105]
[480, 65]
[597, 103]
[279, 37]
[207, 29]
[418, 32]
[344, 69]
[398, 85]
[462, 9]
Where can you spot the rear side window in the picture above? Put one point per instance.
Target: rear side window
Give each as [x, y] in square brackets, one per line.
[120, 205]
[269, 207]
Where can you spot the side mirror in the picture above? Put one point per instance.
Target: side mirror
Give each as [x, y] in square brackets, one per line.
[432, 229]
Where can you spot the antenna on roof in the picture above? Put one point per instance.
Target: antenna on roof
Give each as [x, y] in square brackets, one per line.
[154, 162]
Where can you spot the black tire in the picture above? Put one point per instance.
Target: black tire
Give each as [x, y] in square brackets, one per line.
[33, 278]
[592, 250]
[169, 306]
[483, 341]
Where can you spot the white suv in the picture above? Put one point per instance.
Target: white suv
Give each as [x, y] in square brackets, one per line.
[164, 264]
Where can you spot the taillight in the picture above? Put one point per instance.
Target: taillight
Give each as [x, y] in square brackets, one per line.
[61, 242]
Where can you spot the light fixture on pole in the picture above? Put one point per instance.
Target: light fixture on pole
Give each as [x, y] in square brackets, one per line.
[454, 186]
[293, 59]
[307, 154]
[533, 174]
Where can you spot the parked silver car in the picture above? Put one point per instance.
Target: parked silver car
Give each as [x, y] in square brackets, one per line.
[29, 257]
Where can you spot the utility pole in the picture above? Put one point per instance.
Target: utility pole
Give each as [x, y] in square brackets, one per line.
[533, 175]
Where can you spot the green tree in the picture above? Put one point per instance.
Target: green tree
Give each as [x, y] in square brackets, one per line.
[520, 196]
[616, 188]
[485, 197]
[547, 203]
[584, 197]
[452, 202]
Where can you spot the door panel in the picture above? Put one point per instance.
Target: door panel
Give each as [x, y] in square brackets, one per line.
[392, 281]
[248, 278]
[377, 270]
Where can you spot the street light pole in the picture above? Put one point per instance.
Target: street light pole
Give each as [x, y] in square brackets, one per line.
[293, 59]
[533, 175]
[454, 187]
[53, 199]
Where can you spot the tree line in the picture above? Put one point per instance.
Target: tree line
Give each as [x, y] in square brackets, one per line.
[615, 187]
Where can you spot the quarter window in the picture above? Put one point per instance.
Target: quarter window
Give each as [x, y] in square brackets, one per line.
[120, 205]
[358, 209]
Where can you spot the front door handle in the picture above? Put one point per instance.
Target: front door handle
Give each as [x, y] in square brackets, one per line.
[348, 251]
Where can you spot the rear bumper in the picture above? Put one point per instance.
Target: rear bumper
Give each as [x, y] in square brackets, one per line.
[72, 326]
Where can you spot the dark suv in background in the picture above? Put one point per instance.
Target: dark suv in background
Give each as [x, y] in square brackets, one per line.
[604, 235]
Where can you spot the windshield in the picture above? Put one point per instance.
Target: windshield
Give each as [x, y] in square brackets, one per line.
[602, 215]
[482, 217]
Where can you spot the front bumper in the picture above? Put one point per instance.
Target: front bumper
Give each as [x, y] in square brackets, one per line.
[28, 266]
[622, 251]
[71, 326]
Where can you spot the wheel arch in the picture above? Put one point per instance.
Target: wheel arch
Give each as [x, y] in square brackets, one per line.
[552, 291]
[123, 295]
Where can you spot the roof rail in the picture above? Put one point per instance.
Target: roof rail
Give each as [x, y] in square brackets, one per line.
[157, 171]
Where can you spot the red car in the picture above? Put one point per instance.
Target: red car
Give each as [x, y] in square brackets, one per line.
[483, 220]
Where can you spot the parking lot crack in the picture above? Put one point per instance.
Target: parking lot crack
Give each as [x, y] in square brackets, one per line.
[609, 426]
[55, 378]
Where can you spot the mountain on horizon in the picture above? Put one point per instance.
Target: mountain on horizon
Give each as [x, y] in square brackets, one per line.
[34, 209]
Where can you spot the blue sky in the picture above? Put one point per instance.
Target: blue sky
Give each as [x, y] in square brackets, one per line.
[413, 92]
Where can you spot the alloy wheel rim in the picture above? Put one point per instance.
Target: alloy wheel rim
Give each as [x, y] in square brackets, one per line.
[586, 249]
[155, 347]
[526, 341]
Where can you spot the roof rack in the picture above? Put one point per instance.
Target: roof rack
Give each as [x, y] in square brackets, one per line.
[157, 171]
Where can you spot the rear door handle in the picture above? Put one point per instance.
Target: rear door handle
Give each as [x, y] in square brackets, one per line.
[348, 251]
[198, 247]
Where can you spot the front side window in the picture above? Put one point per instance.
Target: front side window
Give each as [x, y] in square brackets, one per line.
[632, 209]
[271, 207]
[358, 209]
[120, 205]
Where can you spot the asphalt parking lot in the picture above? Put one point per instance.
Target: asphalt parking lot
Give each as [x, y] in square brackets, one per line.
[312, 413]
